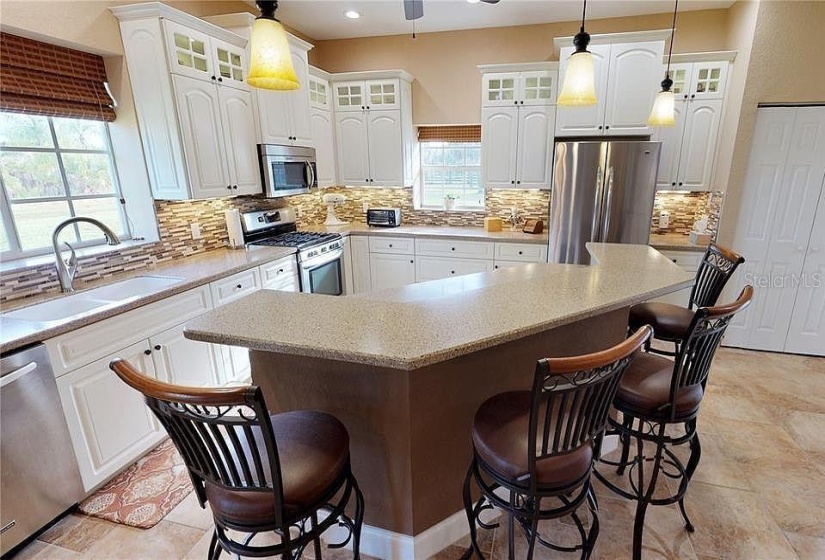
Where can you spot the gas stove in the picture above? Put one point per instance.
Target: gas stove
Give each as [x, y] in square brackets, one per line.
[298, 239]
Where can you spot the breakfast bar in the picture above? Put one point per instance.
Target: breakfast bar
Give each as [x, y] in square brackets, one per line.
[406, 373]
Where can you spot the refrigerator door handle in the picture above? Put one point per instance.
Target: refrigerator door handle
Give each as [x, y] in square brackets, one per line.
[608, 202]
[597, 205]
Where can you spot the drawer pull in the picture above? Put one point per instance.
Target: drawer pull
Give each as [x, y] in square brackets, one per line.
[239, 286]
[520, 253]
[452, 248]
[8, 525]
[452, 272]
[390, 245]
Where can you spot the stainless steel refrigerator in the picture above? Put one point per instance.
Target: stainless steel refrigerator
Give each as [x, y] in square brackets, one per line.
[602, 191]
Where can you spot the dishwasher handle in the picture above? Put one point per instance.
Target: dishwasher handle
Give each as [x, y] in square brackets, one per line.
[17, 374]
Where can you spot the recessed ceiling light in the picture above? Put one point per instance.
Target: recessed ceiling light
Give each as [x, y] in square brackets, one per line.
[352, 14]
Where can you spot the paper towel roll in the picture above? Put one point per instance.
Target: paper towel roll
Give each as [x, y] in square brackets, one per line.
[233, 227]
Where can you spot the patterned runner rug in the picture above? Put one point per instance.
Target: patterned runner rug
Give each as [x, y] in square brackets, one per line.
[145, 492]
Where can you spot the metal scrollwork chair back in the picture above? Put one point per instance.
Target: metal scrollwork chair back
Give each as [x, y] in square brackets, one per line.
[716, 268]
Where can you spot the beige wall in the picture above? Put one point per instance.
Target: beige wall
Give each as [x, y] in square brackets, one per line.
[785, 66]
[447, 89]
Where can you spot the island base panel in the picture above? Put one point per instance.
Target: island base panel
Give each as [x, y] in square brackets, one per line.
[410, 429]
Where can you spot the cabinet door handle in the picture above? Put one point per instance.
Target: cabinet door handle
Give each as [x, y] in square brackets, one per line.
[368, 107]
[452, 272]
[518, 182]
[680, 183]
[515, 102]
[239, 286]
[673, 184]
[496, 266]
[692, 95]
[229, 187]
[362, 107]
[220, 79]
[512, 182]
[521, 102]
[158, 347]
[686, 96]
[607, 127]
[411, 261]
[213, 77]
[600, 127]
[147, 352]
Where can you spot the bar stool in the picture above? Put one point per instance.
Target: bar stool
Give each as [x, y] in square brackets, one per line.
[671, 322]
[540, 445]
[656, 394]
[258, 472]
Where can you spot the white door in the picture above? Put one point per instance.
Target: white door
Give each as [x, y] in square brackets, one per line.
[301, 127]
[109, 424]
[632, 84]
[385, 148]
[391, 271]
[199, 113]
[500, 89]
[499, 146]
[702, 119]
[239, 139]
[360, 259]
[783, 186]
[352, 148]
[534, 160]
[182, 361]
[671, 139]
[806, 334]
[324, 142]
[229, 63]
[585, 121]
[274, 112]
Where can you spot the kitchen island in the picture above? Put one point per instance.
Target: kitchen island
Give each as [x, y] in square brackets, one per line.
[405, 369]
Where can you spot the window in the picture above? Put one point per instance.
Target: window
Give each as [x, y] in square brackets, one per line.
[451, 169]
[51, 169]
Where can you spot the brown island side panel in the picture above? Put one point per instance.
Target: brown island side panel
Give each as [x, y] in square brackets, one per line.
[410, 430]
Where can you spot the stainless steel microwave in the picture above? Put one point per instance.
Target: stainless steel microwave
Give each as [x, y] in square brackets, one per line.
[287, 170]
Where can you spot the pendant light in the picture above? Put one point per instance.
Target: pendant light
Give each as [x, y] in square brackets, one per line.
[579, 88]
[271, 63]
[664, 108]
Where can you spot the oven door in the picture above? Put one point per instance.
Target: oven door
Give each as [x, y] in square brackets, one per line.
[286, 176]
[323, 274]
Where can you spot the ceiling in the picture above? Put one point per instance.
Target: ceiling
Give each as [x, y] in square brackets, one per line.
[324, 19]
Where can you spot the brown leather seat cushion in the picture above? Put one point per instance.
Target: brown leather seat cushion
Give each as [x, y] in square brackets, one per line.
[313, 449]
[645, 389]
[500, 438]
[669, 322]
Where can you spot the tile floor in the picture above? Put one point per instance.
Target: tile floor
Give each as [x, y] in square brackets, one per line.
[759, 491]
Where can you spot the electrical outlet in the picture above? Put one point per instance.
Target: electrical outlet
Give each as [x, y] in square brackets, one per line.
[366, 206]
[196, 230]
[299, 212]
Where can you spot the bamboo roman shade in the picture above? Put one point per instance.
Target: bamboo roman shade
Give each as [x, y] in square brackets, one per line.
[43, 79]
[453, 133]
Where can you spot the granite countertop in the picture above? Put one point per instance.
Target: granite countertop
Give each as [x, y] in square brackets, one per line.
[674, 242]
[193, 271]
[446, 232]
[414, 326]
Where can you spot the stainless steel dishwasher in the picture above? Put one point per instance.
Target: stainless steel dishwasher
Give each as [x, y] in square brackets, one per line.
[39, 479]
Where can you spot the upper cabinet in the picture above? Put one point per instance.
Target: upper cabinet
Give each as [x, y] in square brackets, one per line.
[517, 122]
[689, 148]
[373, 128]
[628, 74]
[323, 127]
[194, 108]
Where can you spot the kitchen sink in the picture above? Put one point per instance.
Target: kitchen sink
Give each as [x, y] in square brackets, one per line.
[91, 301]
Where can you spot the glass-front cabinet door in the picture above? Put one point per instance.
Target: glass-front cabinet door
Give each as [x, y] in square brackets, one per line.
[500, 89]
[349, 96]
[229, 64]
[319, 93]
[681, 76]
[382, 94]
[189, 51]
[708, 81]
[537, 88]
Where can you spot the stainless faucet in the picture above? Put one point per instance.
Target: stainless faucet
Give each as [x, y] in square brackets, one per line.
[67, 269]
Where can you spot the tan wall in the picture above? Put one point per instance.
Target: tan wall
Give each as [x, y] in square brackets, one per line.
[785, 66]
[447, 89]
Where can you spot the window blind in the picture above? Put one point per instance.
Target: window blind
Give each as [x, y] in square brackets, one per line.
[44, 79]
[453, 133]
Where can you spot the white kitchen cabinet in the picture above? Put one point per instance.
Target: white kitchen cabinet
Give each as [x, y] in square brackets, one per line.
[700, 80]
[501, 264]
[235, 287]
[517, 124]
[395, 245]
[234, 365]
[192, 102]
[322, 124]
[182, 361]
[109, 424]
[454, 248]
[627, 78]
[391, 271]
[280, 275]
[361, 274]
[284, 116]
[373, 128]
[347, 265]
[524, 252]
[435, 268]
[667, 176]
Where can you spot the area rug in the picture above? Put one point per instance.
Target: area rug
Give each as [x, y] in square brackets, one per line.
[145, 492]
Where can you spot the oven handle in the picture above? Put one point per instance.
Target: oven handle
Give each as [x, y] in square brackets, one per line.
[321, 260]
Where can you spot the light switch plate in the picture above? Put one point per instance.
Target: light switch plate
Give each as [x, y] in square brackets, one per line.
[196, 230]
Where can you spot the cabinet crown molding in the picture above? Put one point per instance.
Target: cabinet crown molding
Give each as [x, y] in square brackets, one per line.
[372, 75]
[713, 56]
[319, 73]
[518, 67]
[610, 38]
[149, 10]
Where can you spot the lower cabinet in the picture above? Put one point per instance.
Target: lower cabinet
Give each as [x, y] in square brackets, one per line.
[280, 275]
[391, 271]
[182, 361]
[234, 365]
[435, 268]
[108, 421]
[360, 261]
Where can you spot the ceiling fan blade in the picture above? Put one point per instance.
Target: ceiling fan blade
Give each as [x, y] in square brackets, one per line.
[490, 1]
[413, 9]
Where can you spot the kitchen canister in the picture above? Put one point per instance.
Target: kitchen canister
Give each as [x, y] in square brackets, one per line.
[233, 227]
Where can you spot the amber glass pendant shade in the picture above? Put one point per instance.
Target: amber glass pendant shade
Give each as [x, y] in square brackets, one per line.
[270, 60]
[579, 88]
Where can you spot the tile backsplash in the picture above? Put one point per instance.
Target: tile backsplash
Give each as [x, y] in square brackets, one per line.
[175, 219]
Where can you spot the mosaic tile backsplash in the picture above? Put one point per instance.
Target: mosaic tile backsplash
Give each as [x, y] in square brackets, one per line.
[174, 219]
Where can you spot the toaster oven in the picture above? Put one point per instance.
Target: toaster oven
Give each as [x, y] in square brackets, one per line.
[384, 217]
